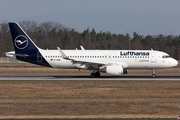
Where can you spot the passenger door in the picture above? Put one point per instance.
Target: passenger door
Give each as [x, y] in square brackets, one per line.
[153, 57]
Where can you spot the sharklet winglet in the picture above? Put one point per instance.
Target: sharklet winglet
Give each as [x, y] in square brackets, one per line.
[63, 55]
[82, 48]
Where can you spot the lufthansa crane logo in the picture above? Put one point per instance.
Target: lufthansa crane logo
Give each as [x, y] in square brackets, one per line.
[21, 42]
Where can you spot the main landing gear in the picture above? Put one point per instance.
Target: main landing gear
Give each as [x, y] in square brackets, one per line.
[153, 73]
[95, 74]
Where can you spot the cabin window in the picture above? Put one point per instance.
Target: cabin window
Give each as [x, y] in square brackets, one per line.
[166, 56]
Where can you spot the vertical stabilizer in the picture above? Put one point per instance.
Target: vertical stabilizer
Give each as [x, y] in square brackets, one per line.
[22, 42]
[25, 49]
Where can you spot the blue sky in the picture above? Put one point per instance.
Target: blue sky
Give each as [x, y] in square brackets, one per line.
[145, 17]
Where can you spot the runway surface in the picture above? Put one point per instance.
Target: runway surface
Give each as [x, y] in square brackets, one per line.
[87, 78]
[93, 119]
[96, 119]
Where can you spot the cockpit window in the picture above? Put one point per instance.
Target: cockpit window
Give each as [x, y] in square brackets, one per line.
[166, 56]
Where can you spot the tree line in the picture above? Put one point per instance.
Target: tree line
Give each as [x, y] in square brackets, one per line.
[50, 35]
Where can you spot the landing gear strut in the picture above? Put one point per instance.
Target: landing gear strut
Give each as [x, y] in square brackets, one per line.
[95, 74]
[153, 73]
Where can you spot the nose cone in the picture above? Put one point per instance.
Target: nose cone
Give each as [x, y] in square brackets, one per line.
[174, 62]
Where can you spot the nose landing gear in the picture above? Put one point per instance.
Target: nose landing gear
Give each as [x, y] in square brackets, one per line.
[153, 73]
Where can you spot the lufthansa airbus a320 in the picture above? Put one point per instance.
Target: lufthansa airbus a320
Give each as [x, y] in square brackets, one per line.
[113, 62]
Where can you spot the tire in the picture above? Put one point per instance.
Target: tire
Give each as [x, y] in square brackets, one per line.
[92, 75]
[97, 74]
[153, 75]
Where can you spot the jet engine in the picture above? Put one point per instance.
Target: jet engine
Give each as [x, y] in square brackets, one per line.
[116, 70]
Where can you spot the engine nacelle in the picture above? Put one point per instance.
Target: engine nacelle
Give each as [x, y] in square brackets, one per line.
[114, 70]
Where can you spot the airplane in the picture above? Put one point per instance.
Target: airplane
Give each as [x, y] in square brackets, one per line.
[113, 62]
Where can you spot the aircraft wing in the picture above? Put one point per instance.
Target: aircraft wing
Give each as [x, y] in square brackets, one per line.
[84, 64]
[87, 64]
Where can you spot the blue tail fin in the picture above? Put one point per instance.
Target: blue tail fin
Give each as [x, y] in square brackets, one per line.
[22, 42]
[25, 49]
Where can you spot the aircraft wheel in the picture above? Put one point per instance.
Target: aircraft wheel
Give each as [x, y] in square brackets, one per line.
[97, 74]
[154, 75]
[92, 75]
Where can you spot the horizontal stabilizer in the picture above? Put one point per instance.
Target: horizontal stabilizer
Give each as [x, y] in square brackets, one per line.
[12, 54]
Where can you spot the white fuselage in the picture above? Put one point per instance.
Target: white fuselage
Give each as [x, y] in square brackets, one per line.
[134, 59]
